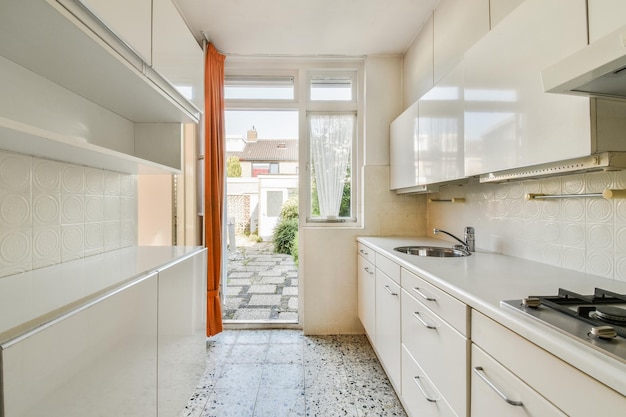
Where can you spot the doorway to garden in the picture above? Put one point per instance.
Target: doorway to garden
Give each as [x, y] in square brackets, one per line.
[261, 281]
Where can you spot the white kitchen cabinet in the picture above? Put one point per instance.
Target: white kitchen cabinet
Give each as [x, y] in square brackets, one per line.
[573, 392]
[605, 16]
[176, 55]
[510, 121]
[100, 359]
[388, 326]
[458, 24]
[499, 9]
[440, 130]
[418, 66]
[439, 349]
[130, 20]
[366, 276]
[181, 332]
[498, 392]
[404, 152]
[419, 395]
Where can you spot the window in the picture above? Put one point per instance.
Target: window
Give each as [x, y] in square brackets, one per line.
[239, 87]
[260, 168]
[332, 137]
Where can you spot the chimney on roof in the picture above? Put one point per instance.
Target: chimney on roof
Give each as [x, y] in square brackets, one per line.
[251, 135]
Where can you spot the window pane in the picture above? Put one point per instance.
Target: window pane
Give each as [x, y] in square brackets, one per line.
[258, 88]
[331, 138]
[331, 89]
[269, 124]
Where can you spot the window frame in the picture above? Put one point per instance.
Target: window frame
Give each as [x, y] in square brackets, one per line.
[303, 70]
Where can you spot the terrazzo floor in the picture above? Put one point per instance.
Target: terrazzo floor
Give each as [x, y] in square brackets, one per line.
[282, 373]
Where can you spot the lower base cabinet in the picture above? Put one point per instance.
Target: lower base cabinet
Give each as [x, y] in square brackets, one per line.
[388, 326]
[497, 392]
[419, 395]
[138, 350]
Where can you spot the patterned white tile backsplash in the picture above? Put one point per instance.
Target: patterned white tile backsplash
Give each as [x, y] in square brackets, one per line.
[52, 212]
[584, 234]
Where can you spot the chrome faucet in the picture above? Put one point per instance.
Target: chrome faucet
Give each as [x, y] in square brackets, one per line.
[469, 243]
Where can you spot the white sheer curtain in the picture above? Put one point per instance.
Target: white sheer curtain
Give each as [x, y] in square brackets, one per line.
[331, 148]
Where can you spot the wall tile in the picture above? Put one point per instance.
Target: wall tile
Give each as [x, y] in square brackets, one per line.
[583, 234]
[52, 212]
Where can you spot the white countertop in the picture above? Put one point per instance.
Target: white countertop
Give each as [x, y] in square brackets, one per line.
[483, 279]
[31, 299]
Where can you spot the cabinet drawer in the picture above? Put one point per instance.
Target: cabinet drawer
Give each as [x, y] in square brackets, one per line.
[389, 267]
[563, 385]
[388, 326]
[367, 296]
[447, 307]
[367, 253]
[441, 351]
[513, 397]
[419, 395]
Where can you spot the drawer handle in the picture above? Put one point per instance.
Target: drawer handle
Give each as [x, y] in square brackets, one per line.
[419, 318]
[367, 269]
[395, 294]
[424, 296]
[478, 370]
[363, 252]
[418, 382]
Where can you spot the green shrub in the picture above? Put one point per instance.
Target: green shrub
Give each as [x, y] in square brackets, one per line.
[284, 235]
[289, 210]
[294, 248]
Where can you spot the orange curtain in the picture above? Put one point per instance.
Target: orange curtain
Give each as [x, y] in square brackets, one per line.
[214, 182]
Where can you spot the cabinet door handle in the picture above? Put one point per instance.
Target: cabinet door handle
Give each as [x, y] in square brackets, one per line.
[419, 292]
[367, 269]
[395, 294]
[478, 370]
[363, 252]
[419, 318]
[418, 382]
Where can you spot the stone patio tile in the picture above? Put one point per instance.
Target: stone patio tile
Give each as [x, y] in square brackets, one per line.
[262, 289]
[253, 314]
[238, 282]
[272, 280]
[261, 263]
[231, 303]
[274, 272]
[288, 316]
[264, 299]
[293, 303]
[290, 291]
[232, 290]
[294, 282]
[240, 274]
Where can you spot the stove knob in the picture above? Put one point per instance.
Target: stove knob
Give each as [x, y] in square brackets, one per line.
[603, 332]
[532, 302]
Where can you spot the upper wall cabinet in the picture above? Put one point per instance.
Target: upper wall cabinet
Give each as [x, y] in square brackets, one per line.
[175, 53]
[605, 16]
[510, 121]
[458, 24]
[418, 66]
[499, 9]
[133, 26]
[440, 139]
[403, 153]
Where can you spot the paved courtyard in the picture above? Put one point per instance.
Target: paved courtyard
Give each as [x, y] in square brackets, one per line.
[261, 285]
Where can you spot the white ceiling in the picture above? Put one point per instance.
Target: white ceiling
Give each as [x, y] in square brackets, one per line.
[307, 27]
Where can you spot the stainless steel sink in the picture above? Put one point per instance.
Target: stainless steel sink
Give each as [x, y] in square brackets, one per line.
[433, 251]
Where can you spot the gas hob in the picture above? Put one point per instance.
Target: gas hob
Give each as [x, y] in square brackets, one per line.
[598, 320]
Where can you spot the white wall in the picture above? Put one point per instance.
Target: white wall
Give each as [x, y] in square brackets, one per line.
[582, 234]
[328, 255]
[156, 208]
[53, 212]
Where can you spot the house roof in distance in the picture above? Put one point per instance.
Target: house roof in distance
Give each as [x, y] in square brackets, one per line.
[268, 150]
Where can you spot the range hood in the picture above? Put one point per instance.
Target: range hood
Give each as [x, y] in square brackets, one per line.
[599, 69]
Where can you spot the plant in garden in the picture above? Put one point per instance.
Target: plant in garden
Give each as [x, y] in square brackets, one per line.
[284, 235]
